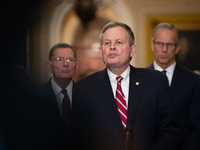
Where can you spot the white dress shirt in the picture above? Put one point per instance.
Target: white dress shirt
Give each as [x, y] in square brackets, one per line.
[124, 83]
[59, 96]
[169, 71]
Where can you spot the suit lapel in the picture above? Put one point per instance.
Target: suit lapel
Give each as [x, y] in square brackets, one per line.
[106, 93]
[135, 89]
[50, 98]
[176, 79]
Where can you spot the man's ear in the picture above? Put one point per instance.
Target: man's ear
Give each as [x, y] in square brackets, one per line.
[133, 50]
[100, 51]
[178, 47]
[49, 66]
[152, 46]
[77, 66]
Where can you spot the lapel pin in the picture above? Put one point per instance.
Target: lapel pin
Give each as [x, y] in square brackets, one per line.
[137, 83]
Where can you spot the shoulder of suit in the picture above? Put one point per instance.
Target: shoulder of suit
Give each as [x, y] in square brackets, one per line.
[186, 74]
[186, 70]
[88, 78]
[146, 73]
[147, 70]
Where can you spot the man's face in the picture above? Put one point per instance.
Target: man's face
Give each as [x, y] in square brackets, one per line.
[165, 54]
[115, 50]
[63, 64]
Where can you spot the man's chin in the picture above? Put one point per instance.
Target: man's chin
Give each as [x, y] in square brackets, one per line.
[65, 77]
[163, 61]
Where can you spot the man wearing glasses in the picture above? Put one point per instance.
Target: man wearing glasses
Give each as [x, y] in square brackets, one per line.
[62, 63]
[184, 84]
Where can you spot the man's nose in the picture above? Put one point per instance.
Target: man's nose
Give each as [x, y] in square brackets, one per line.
[112, 46]
[66, 62]
[164, 48]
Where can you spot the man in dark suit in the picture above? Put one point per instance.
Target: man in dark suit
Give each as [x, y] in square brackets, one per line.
[134, 114]
[184, 84]
[62, 64]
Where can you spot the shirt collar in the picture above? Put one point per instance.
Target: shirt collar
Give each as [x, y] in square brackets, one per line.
[69, 88]
[113, 76]
[169, 70]
[57, 88]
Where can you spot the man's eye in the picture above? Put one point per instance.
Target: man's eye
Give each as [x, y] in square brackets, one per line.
[106, 43]
[159, 43]
[70, 60]
[59, 59]
[170, 44]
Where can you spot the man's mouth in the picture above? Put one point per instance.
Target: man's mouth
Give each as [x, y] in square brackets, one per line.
[65, 71]
[112, 55]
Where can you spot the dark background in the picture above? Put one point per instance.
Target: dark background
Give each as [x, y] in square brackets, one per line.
[16, 17]
[191, 59]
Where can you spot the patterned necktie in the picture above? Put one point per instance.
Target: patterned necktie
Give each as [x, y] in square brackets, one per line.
[65, 108]
[121, 102]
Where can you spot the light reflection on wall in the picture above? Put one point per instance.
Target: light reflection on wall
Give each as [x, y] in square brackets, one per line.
[85, 39]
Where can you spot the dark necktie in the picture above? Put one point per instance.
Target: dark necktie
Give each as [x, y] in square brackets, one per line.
[164, 71]
[121, 102]
[65, 108]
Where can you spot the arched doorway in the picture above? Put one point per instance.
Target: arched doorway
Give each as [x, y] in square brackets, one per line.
[60, 23]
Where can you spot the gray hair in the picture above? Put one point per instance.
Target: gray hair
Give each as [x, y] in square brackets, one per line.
[167, 26]
[61, 45]
[129, 32]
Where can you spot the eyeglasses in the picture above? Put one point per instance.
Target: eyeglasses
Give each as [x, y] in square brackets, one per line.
[168, 45]
[62, 59]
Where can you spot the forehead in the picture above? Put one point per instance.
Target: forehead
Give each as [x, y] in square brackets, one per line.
[63, 52]
[166, 34]
[117, 32]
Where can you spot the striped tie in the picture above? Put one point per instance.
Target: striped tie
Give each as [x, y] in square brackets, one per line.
[121, 102]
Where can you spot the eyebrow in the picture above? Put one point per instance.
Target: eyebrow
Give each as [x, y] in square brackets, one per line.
[114, 40]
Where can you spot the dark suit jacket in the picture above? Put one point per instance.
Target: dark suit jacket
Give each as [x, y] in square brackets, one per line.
[185, 88]
[97, 124]
[60, 137]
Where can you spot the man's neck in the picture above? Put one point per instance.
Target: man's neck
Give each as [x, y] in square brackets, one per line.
[117, 71]
[164, 66]
[62, 83]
